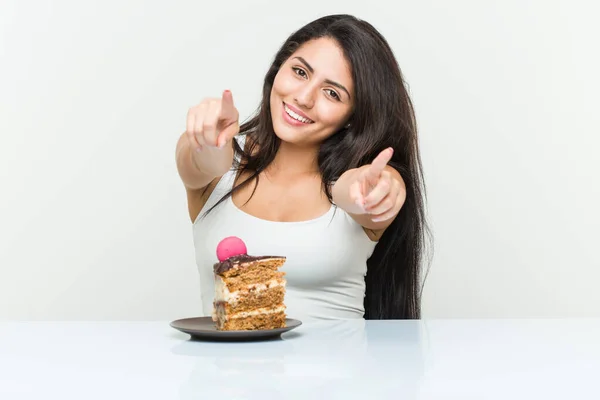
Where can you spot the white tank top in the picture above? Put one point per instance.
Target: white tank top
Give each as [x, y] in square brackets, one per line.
[326, 256]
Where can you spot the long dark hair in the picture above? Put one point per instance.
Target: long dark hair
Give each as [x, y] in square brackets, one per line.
[383, 116]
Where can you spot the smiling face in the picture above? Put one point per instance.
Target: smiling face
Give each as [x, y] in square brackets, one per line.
[313, 93]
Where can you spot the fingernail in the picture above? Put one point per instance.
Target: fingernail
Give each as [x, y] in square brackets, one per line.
[198, 149]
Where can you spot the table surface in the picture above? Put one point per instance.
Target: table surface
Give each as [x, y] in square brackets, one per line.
[428, 359]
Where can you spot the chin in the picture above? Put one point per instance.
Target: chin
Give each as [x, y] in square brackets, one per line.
[285, 133]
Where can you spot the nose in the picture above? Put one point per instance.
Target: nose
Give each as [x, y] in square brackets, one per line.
[305, 97]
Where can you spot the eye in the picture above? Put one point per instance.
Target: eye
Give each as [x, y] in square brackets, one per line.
[300, 72]
[333, 94]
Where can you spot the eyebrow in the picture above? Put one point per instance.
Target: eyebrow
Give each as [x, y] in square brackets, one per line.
[329, 81]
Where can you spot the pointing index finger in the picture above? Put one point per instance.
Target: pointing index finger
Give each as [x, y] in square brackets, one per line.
[228, 111]
[378, 164]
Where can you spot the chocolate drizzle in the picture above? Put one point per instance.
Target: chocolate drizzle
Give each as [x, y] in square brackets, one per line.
[231, 262]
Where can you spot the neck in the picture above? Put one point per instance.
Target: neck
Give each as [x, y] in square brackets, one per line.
[291, 159]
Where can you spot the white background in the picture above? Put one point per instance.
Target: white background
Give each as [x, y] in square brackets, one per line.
[94, 94]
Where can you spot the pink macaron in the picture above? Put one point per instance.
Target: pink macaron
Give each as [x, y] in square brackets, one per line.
[229, 247]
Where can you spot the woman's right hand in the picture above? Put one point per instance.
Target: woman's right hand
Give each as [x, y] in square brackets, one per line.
[212, 123]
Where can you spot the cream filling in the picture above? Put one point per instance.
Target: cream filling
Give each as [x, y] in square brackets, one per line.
[258, 311]
[222, 293]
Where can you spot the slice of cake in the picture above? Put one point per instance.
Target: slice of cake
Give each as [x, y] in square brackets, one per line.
[249, 290]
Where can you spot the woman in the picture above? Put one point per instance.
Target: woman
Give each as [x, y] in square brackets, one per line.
[327, 173]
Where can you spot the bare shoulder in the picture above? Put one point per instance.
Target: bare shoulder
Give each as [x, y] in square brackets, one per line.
[197, 198]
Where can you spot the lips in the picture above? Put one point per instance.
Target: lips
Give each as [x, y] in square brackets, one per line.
[297, 113]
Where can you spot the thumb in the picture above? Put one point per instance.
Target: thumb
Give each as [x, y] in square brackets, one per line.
[228, 134]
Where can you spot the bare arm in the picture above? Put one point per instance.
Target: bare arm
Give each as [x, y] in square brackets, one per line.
[198, 169]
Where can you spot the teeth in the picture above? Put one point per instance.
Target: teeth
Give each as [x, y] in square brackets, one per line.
[296, 116]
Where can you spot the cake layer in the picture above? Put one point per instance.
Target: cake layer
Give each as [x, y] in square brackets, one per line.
[224, 319]
[249, 300]
[230, 291]
[240, 264]
[253, 276]
[221, 312]
[251, 322]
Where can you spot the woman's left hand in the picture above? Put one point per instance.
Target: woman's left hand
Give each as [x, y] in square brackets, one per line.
[376, 190]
